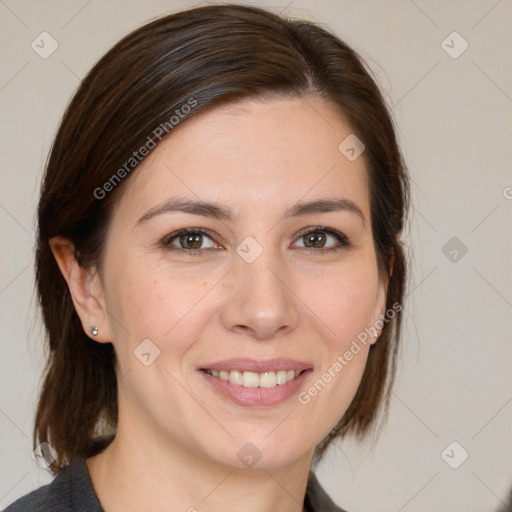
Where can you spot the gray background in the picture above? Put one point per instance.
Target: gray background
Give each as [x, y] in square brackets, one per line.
[454, 121]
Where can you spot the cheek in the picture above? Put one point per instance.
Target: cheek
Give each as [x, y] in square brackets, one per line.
[150, 301]
[344, 305]
[344, 302]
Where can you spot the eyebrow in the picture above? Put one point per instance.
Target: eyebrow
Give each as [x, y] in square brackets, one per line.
[217, 211]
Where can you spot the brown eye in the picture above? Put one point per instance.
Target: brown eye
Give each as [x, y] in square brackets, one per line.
[191, 241]
[315, 239]
[322, 238]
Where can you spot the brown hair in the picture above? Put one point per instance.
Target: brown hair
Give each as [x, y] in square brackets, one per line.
[212, 55]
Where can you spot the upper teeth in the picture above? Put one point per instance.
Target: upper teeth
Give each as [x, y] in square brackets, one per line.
[254, 380]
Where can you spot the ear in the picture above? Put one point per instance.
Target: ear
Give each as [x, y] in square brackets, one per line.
[381, 300]
[85, 288]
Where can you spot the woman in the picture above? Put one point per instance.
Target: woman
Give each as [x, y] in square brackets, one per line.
[219, 267]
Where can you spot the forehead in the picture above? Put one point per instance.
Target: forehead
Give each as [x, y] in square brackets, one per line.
[254, 153]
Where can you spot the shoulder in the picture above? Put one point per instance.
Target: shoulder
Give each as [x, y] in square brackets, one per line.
[53, 496]
[317, 500]
[70, 491]
[36, 501]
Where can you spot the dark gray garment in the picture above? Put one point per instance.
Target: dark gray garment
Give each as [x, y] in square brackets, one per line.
[72, 491]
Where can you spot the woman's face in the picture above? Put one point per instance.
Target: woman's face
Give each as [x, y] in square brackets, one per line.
[263, 287]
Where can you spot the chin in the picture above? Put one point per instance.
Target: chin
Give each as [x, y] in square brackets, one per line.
[263, 453]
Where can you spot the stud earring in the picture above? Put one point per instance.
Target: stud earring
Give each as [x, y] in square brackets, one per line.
[93, 330]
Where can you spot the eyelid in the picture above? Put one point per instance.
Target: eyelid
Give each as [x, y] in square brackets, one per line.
[342, 238]
[166, 241]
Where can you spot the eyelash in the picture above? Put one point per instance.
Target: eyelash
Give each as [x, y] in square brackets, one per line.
[343, 241]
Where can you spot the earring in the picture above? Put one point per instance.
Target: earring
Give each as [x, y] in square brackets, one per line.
[93, 330]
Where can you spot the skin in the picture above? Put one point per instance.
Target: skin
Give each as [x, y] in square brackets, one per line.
[177, 438]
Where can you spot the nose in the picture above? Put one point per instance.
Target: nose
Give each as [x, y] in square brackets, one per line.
[260, 302]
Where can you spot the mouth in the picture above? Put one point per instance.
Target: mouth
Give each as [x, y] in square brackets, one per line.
[268, 379]
[252, 383]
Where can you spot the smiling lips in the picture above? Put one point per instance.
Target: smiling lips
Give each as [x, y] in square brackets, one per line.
[256, 383]
[268, 379]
